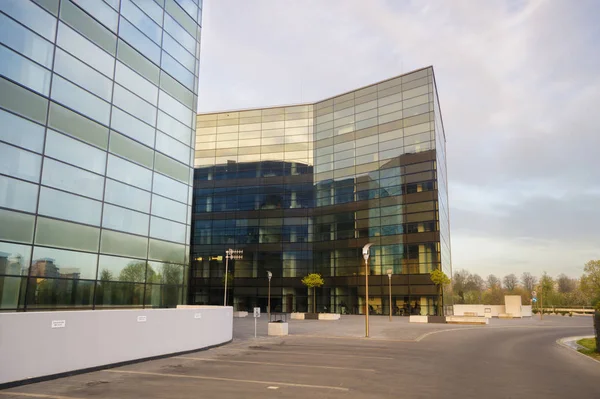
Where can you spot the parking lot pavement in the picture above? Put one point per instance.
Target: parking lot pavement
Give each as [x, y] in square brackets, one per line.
[330, 360]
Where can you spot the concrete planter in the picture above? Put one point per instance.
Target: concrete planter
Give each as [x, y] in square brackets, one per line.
[311, 316]
[417, 319]
[329, 316]
[278, 329]
[297, 316]
[240, 314]
[436, 319]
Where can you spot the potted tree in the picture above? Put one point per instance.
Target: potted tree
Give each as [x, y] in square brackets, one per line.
[313, 280]
[440, 279]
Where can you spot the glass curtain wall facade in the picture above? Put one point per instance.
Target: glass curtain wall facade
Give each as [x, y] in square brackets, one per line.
[97, 121]
[302, 189]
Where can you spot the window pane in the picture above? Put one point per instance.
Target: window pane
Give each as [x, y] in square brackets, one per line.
[56, 233]
[167, 230]
[113, 268]
[86, 77]
[57, 263]
[132, 127]
[179, 52]
[164, 273]
[123, 244]
[19, 163]
[67, 121]
[80, 100]
[131, 149]
[179, 34]
[75, 152]
[23, 71]
[174, 128]
[166, 251]
[61, 205]
[14, 259]
[17, 194]
[115, 294]
[25, 41]
[139, 41]
[175, 108]
[101, 11]
[129, 173]
[127, 196]
[170, 188]
[16, 226]
[141, 20]
[11, 289]
[31, 16]
[118, 218]
[163, 296]
[69, 178]
[169, 209]
[83, 49]
[172, 147]
[133, 104]
[21, 132]
[59, 293]
[134, 82]
[152, 9]
[177, 70]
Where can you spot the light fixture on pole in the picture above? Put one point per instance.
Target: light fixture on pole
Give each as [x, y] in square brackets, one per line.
[389, 273]
[230, 254]
[269, 275]
[365, 253]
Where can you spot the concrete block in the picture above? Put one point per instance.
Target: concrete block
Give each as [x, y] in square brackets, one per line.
[240, 314]
[278, 329]
[467, 320]
[418, 319]
[297, 316]
[329, 316]
[505, 316]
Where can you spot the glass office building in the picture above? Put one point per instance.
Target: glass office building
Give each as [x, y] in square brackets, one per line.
[97, 121]
[302, 189]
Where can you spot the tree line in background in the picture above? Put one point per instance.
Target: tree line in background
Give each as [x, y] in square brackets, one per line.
[562, 290]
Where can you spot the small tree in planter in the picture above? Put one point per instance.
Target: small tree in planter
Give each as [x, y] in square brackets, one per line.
[313, 281]
[440, 279]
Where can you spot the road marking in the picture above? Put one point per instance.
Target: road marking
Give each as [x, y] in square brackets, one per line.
[202, 377]
[486, 328]
[272, 387]
[312, 366]
[322, 354]
[346, 337]
[37, 395]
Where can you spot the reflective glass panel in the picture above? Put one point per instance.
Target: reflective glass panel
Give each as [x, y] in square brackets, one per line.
[83, 75]
[133, 104]
[139, 41]
[141, 20]
[14, 259]
[177, 70]
[25, 41]
[116, 294]
[21, 132]
[132, 127]
[179, 34]
[72, 207]
[134, 82]
[170, 188]
[172, 147]
[65, 177]
[178, 52]
[58, 263]
[167, 230]
[128, 172]
[19, 163]
[80, 100]
[18, 68]
[101, 11]
[174, 128]
[30, 15]
[59, 293]
[113, 268]
[127, 196]
[117, 218]
[75, 152]
[169, 209]
[84, 49]
[17, 194]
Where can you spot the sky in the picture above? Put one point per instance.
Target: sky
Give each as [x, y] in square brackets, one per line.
[519, 89]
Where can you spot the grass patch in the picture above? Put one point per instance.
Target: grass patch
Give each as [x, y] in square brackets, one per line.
[589, 347]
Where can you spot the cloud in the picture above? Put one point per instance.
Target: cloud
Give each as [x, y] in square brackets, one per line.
[518, 84]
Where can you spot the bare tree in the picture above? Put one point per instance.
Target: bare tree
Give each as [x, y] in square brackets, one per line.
[493, 282]
[529, 281]
[510, 282]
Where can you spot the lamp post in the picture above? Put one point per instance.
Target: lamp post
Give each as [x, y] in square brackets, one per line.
[389, 273]
[230, 254]
[365, 253]
[269, 275]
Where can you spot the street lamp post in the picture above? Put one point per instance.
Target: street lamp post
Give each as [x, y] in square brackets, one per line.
[389, 273]
[230, 254]
[269, 275]
[365, 253]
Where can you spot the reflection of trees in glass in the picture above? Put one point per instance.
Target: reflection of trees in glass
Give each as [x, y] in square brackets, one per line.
[134, 272]
[106, 275]
[52, 293]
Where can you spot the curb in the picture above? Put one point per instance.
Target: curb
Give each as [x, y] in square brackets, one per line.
[563, 342]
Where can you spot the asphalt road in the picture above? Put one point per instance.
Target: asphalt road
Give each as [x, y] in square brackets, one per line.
[507, 359]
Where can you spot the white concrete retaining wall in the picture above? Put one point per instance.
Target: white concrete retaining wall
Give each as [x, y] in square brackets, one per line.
[513, 305]
[329, 316]
[39, 344]
[417, 319]
[297, 316]
[459, 310]
[526, 311]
